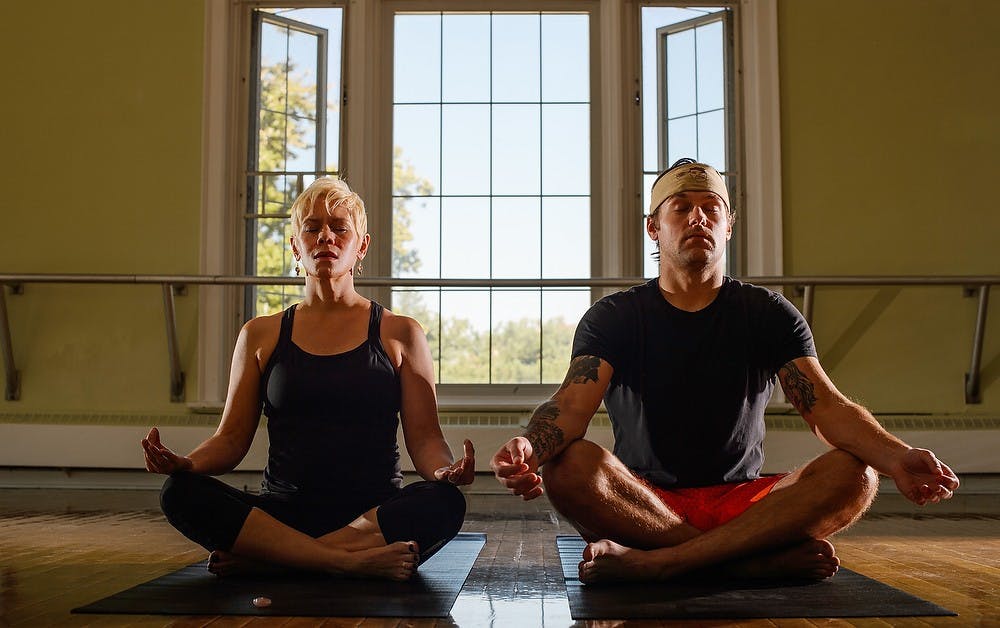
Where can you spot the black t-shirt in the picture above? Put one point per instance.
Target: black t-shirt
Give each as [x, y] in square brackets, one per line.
[689, 389]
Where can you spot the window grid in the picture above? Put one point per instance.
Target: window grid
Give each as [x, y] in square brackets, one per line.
[541, 103]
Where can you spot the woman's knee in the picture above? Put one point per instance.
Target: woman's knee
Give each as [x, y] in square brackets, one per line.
[177, 493]
[447, 503]
[430, 513]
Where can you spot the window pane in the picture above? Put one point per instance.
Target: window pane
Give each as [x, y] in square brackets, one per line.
[416, 237]
[711, 76]
[417, 58]
[712, 139]
[301, 145]
[682, 139]
[565, 59]
[566, 149]
[274, 259]
[273, 44]
[565, 238]
[416, 131]
[274, 255]
[516, 337]
[271, 146]
[516, 149]
[302, 58]
[681, 74]
[466, 58]
[561, 311]
[516, 238]
[465, 237]
[465, 338]
[423, 306]
[515, 58]
[465, 149]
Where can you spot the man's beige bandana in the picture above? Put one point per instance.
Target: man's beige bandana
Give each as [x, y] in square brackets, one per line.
[690, 177]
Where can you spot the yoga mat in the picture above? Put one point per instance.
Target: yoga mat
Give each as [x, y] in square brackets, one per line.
[194, 591]
[847, 594]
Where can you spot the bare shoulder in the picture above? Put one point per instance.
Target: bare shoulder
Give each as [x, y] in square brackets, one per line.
[262, 327]
[259, 337]
[400, 328]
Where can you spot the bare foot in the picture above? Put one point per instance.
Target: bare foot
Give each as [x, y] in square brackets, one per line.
[223, 563]
[396, 561]
[607, 561]
[809, 560]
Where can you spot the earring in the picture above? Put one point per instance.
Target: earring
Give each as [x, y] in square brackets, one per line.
[359, 269]
[298, 269]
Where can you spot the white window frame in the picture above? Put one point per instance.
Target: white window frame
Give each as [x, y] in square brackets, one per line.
[366, 151]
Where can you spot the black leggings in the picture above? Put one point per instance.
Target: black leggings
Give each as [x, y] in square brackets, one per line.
[211, 513]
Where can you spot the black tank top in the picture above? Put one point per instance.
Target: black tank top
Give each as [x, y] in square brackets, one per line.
[332, 420]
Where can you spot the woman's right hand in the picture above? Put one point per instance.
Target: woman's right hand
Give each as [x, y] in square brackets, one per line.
[159, 459]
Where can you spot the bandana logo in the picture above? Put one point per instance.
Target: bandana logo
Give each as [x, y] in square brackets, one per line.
[697, 175]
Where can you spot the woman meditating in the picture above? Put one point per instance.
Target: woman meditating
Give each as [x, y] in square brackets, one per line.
[335, 375]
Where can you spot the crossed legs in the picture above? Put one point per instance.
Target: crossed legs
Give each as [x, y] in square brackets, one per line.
[631, 534]
[387, 542]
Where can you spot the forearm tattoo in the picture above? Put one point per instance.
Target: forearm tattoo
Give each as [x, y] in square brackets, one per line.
[543, 433]
[582, 370]
[798, 388]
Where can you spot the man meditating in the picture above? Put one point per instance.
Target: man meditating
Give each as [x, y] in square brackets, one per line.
[685, 365]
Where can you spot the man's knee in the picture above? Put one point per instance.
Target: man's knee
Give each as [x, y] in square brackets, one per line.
[848, 477]
[575, 468]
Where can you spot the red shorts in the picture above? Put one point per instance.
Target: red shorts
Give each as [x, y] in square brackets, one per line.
[707, 507]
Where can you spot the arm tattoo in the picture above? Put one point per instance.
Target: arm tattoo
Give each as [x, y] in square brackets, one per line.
[798, 388]
[582, 370]
[543, 433]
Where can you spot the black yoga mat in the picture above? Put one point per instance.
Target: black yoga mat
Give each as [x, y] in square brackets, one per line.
[194, 591]
[847, 594]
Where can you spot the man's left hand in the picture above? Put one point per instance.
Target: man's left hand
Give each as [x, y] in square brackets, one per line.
[463, 471]
[923, 479]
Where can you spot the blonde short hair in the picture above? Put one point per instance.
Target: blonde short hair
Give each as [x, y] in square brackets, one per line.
[333, 192]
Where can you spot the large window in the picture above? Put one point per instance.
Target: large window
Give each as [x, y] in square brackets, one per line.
[687, 104]
[501, 149]
[294, 135]
[491, 179]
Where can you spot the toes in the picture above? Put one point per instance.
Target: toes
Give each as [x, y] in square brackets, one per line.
[588, 573]
[824, 548]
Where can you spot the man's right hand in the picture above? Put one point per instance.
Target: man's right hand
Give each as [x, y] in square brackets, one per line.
[515, 466]
[159, 459]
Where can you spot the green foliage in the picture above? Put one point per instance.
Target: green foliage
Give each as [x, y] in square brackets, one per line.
[405, 182]
[283, 135]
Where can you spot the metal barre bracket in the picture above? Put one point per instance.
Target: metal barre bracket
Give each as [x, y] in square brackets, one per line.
[973, 394]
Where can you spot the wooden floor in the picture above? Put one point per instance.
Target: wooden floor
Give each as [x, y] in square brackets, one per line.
[60, 549]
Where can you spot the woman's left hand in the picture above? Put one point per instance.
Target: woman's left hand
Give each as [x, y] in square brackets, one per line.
[463, 471]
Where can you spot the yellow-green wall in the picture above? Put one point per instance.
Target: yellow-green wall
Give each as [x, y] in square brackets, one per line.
[101, 171]
[890, 124]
